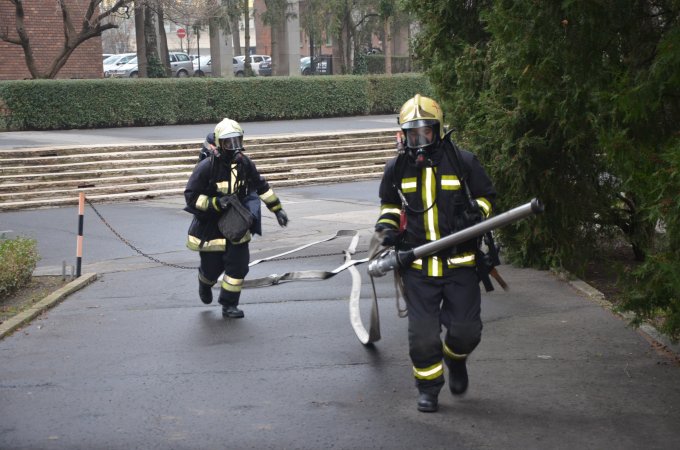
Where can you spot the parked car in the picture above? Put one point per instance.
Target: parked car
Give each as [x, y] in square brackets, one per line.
[180, 64]
[265, 68]
[306, 66]
[106, 55]
[113, 62]
[255, 61]
[127, 69]
[205, 67]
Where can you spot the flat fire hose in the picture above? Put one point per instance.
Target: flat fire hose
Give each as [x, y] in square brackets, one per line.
[364, 336]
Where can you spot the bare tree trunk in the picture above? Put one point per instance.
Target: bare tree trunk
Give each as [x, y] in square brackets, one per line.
[165, 58]
[347, 37]
[387, 46]
[151, 39]
[276, 33]
[236, 36]
[246, 24]
[141, 41]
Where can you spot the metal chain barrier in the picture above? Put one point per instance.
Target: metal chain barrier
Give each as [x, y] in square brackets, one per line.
[279, 257]
[126, 242]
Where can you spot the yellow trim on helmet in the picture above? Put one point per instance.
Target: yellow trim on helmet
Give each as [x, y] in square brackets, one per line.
[421, 109]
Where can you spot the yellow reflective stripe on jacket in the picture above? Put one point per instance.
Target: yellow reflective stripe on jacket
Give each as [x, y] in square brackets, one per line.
[233, 176]
[453, 355]
[429, 373]
[429, 193]
[394, 223]
[450, 183]
[271, 200]
[390, 214]
[268, 197]
[232, 284]
[484, 205]
[409, 185]
[417, 264]
[223, 187]
[435, 266]
[228, 186]
[202, 202]
[462, 260]
[215, 245]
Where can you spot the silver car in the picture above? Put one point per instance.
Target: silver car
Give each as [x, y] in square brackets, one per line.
[180, 64]
[203, 67]
[114, 62]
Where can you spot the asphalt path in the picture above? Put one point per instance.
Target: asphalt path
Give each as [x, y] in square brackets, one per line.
[135, 360]
[173, 133]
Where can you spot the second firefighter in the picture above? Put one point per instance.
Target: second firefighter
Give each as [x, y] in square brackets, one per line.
[214, 181]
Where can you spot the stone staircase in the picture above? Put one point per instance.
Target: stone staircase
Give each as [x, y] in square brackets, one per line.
[44, 177]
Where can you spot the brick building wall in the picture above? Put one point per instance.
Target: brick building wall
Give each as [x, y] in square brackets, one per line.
[45, 30]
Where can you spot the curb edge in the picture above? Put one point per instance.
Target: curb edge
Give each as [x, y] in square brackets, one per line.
[598, 297]
[24, 317]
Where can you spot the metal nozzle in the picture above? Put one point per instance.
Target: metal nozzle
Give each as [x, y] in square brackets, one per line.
[537, 206]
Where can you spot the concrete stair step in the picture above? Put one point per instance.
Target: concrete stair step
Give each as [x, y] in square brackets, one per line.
[255, 143]
[158, 154]
[29, 183]
[170, 161]
[53, 176]
[94, 173]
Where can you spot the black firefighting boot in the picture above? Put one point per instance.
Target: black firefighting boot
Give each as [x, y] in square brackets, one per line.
[458, 376]
[205, 290]
[229, 302]
[428, 402]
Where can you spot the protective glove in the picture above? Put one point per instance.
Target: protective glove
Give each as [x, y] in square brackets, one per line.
[386, 235]
[223, 202]
[282, 217]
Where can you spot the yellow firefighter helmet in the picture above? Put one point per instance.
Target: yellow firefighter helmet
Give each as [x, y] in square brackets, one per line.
[228, 136]
[418, 114]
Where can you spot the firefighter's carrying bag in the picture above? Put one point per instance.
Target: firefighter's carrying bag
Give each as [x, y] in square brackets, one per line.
[235, 221]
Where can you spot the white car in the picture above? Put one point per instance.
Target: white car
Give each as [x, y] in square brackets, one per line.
[203, 67]
[255, 61]
[115, 61]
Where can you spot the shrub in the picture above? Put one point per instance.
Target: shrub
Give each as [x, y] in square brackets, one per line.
[64, 104]
[18, 258]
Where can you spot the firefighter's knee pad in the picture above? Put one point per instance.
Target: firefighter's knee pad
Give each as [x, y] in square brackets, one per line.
[463, 337]
[424, 340]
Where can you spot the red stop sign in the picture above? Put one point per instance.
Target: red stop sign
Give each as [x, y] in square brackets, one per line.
[181, 33]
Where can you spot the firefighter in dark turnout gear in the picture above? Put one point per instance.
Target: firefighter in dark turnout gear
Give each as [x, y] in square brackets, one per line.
[423, 198]
[206, 194]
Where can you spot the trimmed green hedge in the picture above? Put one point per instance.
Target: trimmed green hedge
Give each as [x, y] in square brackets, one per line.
[65, 104]
[375, 64]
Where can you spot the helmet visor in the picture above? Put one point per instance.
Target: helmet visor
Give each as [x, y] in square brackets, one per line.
[231, 143]
[419, 137]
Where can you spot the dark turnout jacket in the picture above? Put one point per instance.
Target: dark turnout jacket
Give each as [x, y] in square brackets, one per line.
[436, 203]
[212, 178]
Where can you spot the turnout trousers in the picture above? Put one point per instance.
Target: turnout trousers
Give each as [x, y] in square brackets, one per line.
[452, 301]
[234, 263]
